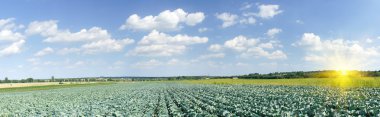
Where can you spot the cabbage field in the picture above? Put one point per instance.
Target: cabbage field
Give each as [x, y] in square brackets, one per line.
[167, 99]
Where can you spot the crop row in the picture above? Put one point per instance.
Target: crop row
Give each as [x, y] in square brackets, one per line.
[176, 99]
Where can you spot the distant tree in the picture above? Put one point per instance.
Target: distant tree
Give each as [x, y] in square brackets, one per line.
[22, 81]
[29, 79]
[52, 79]
[6, 80]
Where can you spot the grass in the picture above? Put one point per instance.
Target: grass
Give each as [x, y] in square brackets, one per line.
[48, 87]
[328, 82]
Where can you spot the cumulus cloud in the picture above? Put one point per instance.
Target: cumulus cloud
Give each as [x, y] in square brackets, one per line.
[336, 53]
[260, 52]
[215, 47]
[9, 24]
[165, 21]
[108, 45]
[251, 47]
[14, 48]
[273, 32]
[93, 40]
[267, 11]
[49, 29]
[156, 37]
[45, 28]
[249, 20]
[228, 19]
[161, 44]
[10, 36]
[240, 43]
[45, 51]
[11, 42]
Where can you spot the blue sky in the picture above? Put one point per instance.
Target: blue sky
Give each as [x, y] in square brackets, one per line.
[68, 38]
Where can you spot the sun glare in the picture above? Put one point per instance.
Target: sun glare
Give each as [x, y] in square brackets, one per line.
[343, 72]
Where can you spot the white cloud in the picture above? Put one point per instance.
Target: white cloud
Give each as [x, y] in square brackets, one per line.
[228, 19]
[49, 29]
[240, 43]
[44, 52]
[260, 52]
[337, 53]
[14, 48]
[165, 21]
[273, 32]
[201, 30]
[93, 40]
[268, 11]
[9, 35]
[161, 44]
[232, 19]
[254, 48]
[108, 45]
[215, 48]
[268, 45]
[194, 18]
[8, 24]
[249, 20]
[45, 28]
[4, 22]
[156, 37]
[11, 42]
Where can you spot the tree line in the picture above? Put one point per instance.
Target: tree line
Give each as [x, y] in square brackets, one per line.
[274, 75]
[311, 74]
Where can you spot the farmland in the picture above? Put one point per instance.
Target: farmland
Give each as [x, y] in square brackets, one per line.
[342, 82]
[22, 87]
[191, 98]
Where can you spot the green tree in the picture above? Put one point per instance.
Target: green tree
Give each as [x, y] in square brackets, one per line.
[6, 80]
[29, 79]
[52, 79]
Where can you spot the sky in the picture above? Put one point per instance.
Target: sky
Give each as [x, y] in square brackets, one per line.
[86, 38]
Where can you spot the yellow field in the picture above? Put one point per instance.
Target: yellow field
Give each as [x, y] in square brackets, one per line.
[330, 82]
